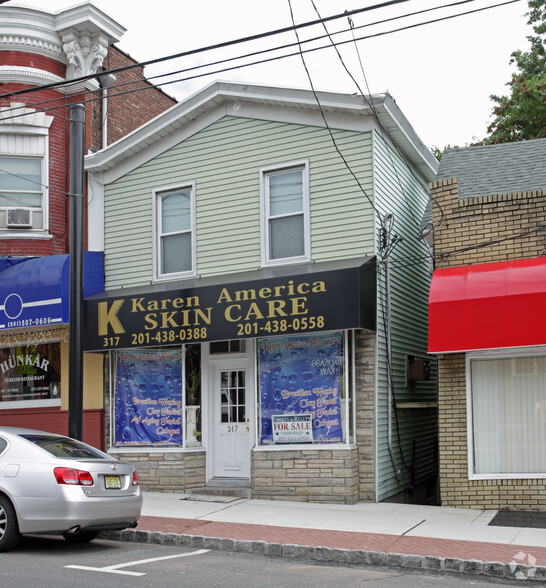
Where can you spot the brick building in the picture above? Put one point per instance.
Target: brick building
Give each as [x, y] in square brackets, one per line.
[133, 100]
[41, 52]
[487, 325]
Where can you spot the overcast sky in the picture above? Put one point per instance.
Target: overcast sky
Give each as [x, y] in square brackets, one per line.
[440, 74]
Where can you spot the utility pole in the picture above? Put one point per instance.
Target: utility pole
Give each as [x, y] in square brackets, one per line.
[75, 337]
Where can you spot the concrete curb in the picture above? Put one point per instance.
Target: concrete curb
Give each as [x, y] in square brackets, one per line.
[513, 570]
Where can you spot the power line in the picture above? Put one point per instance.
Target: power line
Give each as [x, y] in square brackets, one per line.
[391, 242]
[240, 66]
[222, 45]
[444, 255]
[372, 106]
[320, 37]
[300, 52]
[399, 262]
[142, 64]
[334, 142]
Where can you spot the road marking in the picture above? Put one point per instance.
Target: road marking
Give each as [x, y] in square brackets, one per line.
[116, 569]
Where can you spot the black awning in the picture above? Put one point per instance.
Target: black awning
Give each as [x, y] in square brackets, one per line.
[273, 301]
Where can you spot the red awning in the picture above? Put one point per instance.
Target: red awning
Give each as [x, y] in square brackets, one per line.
[488, 306]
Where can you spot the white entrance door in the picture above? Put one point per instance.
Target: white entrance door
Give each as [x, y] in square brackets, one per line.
[233, 414]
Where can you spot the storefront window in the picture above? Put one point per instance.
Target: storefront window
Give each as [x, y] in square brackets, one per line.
[193, 395]
[30, 375]
[149, 386]
[508, 419]
[302, 384]
[148, 398]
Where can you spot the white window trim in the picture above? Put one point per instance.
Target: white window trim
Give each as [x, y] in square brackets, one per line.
[508, 353]
[18, 404]
[27, 130]
[264, 214]
[156, 193]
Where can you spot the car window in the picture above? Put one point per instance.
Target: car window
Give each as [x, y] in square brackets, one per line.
[3, 445]
[64, 447]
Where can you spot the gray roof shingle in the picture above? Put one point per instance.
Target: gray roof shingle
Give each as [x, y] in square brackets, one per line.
[488, 170]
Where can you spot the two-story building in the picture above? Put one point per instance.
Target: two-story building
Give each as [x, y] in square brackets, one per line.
[263, 323]
[49, 61]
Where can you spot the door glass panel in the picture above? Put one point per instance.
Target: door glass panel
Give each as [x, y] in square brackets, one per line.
[232, 396]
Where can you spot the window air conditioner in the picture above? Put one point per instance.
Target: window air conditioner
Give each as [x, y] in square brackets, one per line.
[19, 218]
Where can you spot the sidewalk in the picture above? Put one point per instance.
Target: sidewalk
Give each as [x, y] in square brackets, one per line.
[410, 536]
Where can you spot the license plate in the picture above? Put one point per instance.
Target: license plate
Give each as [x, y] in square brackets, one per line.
[112, 482]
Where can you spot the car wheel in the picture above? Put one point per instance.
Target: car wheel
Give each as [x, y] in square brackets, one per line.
[83, 537]
[9, 527]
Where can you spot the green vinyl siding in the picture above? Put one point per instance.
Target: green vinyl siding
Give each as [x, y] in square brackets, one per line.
[223, 160]
[414, 430]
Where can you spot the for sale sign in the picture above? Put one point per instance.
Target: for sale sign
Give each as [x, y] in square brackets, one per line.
[292, 428]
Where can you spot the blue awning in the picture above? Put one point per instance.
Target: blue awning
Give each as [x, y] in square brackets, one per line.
[9, 261]
[35, 292]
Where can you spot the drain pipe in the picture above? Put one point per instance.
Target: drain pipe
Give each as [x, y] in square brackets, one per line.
[390, 395]
[106, 81]
[387, 247]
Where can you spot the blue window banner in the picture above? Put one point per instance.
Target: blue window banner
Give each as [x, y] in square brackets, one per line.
[30, 372]
[148, 398]
[302, 375]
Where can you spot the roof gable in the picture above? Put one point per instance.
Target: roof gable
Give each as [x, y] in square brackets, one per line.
[342, 111]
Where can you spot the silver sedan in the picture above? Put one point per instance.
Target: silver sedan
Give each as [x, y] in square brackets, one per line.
[55, 485]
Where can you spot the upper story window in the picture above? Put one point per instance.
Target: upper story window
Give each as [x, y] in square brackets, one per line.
[23, 192]
[175, 232]
[21, 187]
[24, 173]
[285, 214]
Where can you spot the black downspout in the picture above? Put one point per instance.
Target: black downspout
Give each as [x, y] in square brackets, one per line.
[75, 338]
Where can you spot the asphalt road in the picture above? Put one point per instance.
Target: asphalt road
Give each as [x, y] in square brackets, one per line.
[53, 563]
